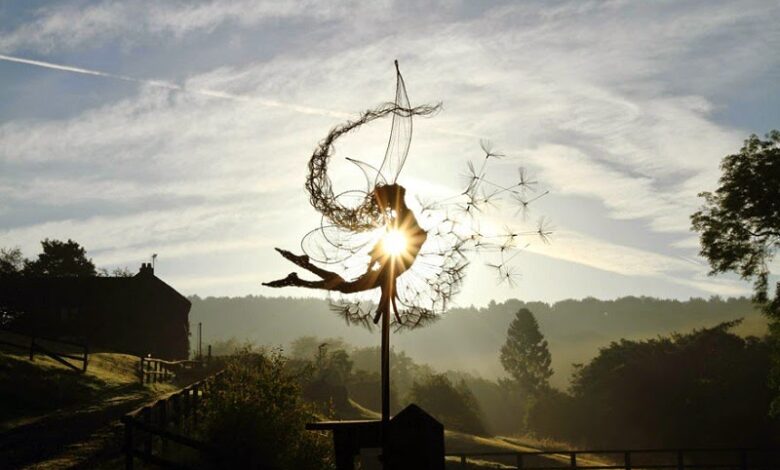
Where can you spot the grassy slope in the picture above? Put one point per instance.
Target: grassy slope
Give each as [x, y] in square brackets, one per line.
[30, 390]
[72, 416]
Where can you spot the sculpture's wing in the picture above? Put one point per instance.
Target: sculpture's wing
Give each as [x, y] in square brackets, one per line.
[373, 175]
[331, 244]
[400, 133]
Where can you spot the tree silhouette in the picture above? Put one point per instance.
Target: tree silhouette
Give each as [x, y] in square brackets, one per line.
[11, 261]
[60, 259]
[524, 355]
[740, 222]
[740, 227]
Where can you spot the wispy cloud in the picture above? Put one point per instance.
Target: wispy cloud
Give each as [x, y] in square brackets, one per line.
[613, 102]
[75, 24]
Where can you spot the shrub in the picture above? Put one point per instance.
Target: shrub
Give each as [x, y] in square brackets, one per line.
[256, 415]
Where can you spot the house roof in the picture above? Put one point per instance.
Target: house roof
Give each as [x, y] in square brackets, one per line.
[76, 288]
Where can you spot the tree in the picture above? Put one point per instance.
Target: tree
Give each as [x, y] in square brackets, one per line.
[11, 261]
[525, 355]
[706, 388]
[116, 272]
[454, 406]
[740, 222]
[60, 259]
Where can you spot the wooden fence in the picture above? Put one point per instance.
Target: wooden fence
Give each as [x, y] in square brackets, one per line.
[150, 429]
[153, 370]
[635, 459]
[49, 347]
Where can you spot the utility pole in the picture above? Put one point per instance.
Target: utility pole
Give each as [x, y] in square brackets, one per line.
[200, 340]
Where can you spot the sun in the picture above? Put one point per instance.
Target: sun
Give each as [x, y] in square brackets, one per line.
[394, 242]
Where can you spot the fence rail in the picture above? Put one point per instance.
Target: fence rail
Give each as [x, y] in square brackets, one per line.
[153, 370]
[33, 345]
[633, 459]
[150, 429]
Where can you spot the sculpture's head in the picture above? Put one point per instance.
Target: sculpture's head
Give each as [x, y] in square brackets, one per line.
[390, 196]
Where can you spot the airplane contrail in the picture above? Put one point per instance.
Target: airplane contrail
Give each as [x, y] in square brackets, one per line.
[205, 92]
[172, 86]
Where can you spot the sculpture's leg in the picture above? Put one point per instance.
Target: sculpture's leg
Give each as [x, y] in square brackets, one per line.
[330, 280]
[395, 311]
[292, 279]
[303, 261]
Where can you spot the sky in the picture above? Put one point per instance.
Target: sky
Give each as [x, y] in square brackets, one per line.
[184, 128]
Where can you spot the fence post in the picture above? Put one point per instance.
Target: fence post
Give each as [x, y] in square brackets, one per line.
[519, 461]
[32, 347]
[680, 460]
[163, 415]
[128, 443]
[463, 460]
[147, 417]
[627, 460]
[743, 459]
[573, 460]
[195, 404]
[176, 410]
[195, 399]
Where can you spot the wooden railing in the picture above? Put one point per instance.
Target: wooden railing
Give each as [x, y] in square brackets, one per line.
[634, 459]
[150, 429]
[32, 344]
[153, 370]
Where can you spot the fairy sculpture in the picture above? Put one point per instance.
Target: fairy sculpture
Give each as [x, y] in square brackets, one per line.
[377, 223]
[417, 264]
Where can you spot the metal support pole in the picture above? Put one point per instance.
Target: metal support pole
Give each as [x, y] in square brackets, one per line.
[386, 366]
[385, 378]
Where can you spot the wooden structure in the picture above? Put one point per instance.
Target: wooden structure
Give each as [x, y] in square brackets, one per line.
[150, 430]
[138, 315]
[661, 459]
[152, 370]
[411, 439]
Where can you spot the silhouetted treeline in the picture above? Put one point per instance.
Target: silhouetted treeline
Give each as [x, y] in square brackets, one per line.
[332, 372]
[707, 388]
[575, 329]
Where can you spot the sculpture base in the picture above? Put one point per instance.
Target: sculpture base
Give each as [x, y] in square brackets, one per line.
[415, 440]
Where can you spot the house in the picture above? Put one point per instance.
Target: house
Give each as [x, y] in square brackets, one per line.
[137, 315]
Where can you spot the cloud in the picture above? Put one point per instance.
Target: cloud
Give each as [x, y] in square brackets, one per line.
[74, 24]
[601, 100]
[582, 249]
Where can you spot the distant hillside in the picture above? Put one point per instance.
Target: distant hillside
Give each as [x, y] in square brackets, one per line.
[469, 339]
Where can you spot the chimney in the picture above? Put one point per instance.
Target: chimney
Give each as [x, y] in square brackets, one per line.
[146, 270]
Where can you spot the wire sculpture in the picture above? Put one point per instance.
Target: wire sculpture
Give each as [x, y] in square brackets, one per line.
[417, 264]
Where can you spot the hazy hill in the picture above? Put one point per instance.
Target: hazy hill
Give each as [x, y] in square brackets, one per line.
[468, 339]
